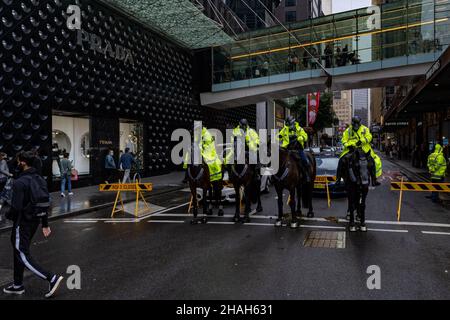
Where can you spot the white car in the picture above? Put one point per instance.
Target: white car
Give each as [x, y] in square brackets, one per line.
[228, 193]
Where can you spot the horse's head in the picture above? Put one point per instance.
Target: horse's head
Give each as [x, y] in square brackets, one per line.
[359, 167]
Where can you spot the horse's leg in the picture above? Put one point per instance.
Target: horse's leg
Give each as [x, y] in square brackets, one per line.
[237, 212]
[279, 190]
[194, 204]
[248, 205]
[294, 220]
[351, 206]
[362, 214]
[310, 188]
[259, 207]
[218, 196]
[299, 200]
[210, 204]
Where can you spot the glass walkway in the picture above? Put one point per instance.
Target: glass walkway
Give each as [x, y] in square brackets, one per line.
[405, 32]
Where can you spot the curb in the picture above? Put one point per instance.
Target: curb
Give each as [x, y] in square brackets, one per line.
[96, 208]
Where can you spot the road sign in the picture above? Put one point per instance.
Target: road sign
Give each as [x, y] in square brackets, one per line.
[126, 187]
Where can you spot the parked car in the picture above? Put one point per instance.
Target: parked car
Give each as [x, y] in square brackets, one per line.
[326, 165]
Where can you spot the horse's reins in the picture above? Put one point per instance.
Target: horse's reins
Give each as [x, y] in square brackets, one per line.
[200, 174]
[244, 171]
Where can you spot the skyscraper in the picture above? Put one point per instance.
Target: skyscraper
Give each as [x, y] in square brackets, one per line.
[361, 105]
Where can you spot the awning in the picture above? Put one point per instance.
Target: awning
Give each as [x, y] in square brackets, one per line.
[179, 20]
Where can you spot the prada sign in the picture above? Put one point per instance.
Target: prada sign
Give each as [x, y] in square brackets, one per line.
[95, 43]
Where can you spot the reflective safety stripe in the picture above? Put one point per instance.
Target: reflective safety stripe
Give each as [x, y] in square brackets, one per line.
[23, 257]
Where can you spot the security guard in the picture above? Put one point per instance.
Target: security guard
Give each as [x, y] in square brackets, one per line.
[359, 136]
[208, 151]
[251, 142]
[293, 131]
[437, 167]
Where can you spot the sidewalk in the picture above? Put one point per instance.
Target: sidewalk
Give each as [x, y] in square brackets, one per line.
[90, 198]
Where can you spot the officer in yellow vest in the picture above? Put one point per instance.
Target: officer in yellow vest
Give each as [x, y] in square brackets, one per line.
[437, 166]
[293, 132]
[205, 142]
[359, 136]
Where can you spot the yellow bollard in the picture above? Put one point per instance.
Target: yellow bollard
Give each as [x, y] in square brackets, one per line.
[328, 195]
[400, 200]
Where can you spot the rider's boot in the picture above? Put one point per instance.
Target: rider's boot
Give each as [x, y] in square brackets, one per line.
[373, 174]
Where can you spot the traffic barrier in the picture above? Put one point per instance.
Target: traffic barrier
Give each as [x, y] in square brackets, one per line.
[137, 187]
[416, 187]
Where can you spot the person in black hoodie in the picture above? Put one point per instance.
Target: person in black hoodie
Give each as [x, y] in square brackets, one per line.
[25, 227]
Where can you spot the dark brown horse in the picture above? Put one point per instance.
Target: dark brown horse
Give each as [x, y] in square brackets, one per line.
[198, 177]
[245, 175]
[356, 178]
[292, 178]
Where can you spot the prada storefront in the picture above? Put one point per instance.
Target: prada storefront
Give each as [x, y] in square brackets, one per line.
[111, 85]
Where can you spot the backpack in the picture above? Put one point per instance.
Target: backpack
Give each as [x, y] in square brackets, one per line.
[39, 197]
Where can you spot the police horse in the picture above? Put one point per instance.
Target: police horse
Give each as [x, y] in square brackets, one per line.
[292, 178]
[244, 175]
[356, 179]
[198, 177]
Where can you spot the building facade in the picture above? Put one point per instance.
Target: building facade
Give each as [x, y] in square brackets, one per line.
[361, 102]
[342, 105]
[296, 10]
[114, 84]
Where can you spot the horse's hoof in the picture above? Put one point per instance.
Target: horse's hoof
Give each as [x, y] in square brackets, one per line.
[220, 213]
[194, 221]
[278, 223]
[310, 214]
[352, 228]
[236, 219]
[209, 212]
[294, 225]
[204, 220]
[284, 223]
[363, 228]
[259, 209]
[245, 220]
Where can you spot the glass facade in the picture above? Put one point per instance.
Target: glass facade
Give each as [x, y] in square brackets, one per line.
[399, 33]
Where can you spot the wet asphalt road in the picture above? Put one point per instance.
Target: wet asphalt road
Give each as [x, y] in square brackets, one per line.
[164, 257]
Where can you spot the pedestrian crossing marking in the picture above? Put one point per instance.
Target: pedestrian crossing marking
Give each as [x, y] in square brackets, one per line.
[420, 186]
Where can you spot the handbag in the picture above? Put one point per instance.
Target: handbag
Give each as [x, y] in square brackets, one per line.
[74, 174]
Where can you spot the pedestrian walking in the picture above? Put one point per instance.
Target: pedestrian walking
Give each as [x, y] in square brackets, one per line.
[66, 173]
[4, 170]
[437, 166]
[110, 166]
[125, 163]
[29, 208]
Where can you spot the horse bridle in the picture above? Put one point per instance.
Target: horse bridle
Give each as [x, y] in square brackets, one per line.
[244, 171]
[200, 174]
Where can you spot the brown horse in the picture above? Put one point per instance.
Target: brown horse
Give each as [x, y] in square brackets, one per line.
[244, 175]
[292, 178]
[198, 177]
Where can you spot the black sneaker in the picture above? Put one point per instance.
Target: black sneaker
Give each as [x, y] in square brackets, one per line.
[54, 285]
[14, 290]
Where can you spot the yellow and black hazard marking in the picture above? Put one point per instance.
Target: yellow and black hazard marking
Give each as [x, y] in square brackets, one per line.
[126, 187]
[420, 186]
[324, 179]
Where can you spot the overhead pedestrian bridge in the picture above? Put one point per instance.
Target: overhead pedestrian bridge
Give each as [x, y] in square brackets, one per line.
[371, 47]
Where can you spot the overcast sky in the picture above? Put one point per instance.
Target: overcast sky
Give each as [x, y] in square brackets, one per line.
[346, 5]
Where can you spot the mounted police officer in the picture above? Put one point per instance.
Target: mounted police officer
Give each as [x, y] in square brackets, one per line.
[243, 131]
[359, 136]
[205, 142]
[293, 134]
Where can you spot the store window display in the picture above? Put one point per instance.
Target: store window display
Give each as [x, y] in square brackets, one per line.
[131, 137]
[70, 135]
